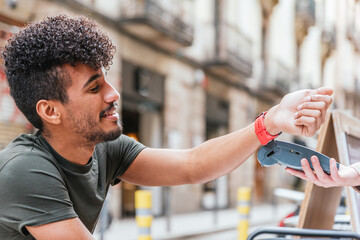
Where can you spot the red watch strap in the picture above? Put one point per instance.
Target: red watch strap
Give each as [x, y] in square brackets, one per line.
[261, 132]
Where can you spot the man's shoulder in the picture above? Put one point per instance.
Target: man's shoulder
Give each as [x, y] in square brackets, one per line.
[121, 148]
[122, 139]
[24, 151]
[121, 142]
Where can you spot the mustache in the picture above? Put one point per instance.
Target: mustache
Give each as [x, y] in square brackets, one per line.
[110, 107]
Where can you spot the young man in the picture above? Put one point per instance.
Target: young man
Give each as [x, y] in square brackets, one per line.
[53, 183]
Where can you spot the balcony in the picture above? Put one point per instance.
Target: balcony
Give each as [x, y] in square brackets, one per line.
[353, 35]
[304, 18]
[328, 42]
[328, 36]
[267, 7]
[153, 22]
[16, 13]
[305, 9]
[280, 78]
[231, 55]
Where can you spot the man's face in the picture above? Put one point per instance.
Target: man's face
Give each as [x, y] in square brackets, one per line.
[91, 112]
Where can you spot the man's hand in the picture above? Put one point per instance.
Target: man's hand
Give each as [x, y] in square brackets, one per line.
[299, 113]
[345, 176]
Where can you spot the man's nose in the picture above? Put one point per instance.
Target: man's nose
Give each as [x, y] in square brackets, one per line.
[111, 95]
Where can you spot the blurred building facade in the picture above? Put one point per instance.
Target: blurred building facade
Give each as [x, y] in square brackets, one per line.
[191, 70]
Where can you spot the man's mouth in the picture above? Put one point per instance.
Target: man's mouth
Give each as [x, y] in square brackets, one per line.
[110, 113]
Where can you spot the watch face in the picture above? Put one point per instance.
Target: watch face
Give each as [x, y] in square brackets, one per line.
[290, 155]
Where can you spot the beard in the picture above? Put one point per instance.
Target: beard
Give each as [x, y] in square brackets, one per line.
[90, 131]
[101, 136]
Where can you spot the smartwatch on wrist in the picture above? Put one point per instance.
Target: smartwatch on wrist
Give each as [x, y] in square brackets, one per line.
[261, 132]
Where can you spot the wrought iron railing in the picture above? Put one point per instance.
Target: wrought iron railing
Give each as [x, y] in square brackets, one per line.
[305, 7]
[237, 48]
[352, 32]
[232, 48]
[328, 35]
[280, 76]
[169, 22]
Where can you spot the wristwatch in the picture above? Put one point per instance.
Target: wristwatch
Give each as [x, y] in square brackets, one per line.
[260, 130]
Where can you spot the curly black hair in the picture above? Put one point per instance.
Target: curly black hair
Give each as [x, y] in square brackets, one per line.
[33, 58]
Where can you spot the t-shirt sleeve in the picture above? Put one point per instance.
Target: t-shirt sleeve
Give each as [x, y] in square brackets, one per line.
[33, 193]
[121, 153]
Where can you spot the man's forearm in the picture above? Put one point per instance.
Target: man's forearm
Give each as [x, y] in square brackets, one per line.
[219, 156]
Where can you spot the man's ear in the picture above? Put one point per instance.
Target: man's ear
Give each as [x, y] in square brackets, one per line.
[48, 110]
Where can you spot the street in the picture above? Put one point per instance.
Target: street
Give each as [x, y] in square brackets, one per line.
[200, 225]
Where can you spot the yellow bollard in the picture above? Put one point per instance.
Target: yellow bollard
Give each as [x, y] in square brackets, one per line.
[243, 207]
[143, 214]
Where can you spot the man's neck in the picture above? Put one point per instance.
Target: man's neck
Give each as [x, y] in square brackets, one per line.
[71, 149]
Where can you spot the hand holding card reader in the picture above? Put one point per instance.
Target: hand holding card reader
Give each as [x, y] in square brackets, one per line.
[290, 155]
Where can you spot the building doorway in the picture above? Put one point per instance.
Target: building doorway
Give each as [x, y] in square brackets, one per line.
[216, 192]
[131, 128]
[142, 115]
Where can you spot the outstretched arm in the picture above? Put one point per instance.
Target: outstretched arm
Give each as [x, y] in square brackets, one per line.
[67, 229]
[300, 113]
[345, 176]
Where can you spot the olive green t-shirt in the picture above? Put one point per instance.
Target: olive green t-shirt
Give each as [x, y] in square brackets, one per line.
[38, 186]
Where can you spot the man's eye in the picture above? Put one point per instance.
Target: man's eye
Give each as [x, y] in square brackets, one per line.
[94, 89]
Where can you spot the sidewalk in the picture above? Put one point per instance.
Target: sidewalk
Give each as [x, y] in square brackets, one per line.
[192, 224]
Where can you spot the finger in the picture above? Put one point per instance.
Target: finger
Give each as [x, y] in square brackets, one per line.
[320, 98]
[321, 175]
[320, 106]
[334, 172]
[296, 173]
[312, 105]
[308, 171]
[311, 113]
[306, 121]
[323, 91]
[315, 113]
[308, 126]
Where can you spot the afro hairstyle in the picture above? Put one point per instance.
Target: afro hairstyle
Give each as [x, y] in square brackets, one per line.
[33, 58]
